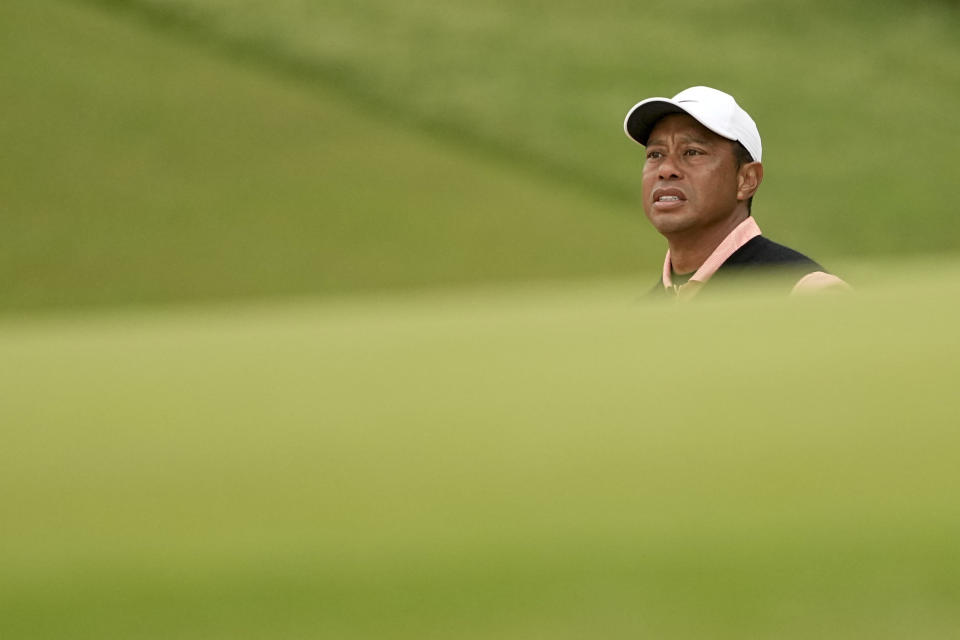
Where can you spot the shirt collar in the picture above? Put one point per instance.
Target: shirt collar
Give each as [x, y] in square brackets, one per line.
[741, 235]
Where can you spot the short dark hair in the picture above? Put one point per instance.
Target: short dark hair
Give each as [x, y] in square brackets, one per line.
[742, 156]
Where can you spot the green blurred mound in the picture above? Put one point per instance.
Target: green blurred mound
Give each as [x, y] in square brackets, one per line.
[162, 150]
[137, 169]
[515, 463]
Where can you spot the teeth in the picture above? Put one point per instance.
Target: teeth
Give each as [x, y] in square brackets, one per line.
[668, 198]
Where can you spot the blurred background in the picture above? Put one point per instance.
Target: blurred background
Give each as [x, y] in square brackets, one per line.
[169, 150]
[317, 320]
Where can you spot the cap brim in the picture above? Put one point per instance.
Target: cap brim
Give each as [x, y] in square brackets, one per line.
[644, 115]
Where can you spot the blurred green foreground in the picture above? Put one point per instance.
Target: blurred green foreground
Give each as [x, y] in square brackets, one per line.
[514, 463]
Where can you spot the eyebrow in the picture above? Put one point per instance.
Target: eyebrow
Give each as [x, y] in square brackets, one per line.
[692, 139]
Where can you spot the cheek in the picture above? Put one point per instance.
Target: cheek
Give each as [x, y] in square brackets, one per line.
[646, 181]
[649, 176]
[721, 185]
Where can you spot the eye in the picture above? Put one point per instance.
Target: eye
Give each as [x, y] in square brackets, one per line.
[693, 152]
[654, 155]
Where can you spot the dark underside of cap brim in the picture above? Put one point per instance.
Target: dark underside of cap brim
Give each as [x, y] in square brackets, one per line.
[642, 120]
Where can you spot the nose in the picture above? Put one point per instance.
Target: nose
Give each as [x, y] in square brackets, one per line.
[668, 169]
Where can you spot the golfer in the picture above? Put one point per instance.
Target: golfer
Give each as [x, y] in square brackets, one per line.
[701, 172]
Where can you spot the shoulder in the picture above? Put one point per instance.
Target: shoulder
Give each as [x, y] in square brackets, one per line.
[759, 251]
[778, 263]
[819, 281]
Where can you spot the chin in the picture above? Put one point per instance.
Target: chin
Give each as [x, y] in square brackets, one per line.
[667, 224]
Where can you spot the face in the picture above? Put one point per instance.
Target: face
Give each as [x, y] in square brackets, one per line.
[690, 178]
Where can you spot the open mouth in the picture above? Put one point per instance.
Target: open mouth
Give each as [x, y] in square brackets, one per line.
[666, 199]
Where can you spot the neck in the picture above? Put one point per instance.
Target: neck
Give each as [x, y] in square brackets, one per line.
[688, 251]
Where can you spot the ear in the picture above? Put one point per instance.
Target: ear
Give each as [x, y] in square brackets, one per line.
[749, 178]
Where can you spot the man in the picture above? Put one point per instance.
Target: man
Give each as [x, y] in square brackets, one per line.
[701, 172]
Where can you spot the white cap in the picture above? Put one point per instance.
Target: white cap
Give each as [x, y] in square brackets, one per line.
[714, 109]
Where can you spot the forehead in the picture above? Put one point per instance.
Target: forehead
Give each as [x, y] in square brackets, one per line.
[682, 127]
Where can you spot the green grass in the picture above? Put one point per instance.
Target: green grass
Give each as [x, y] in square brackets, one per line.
[549, 460]
[848, 96]
[506, 463]
[138, 170]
